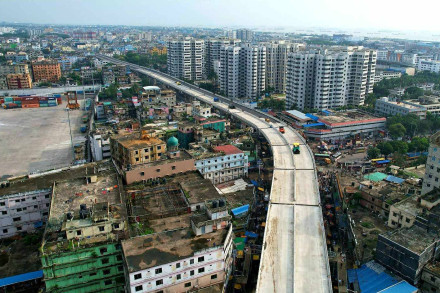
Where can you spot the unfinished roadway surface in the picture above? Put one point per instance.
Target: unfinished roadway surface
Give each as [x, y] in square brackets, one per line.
[294, 256]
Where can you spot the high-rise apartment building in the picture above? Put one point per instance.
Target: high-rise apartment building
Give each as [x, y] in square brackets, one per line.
[186, 58]
[276, 64]
[213, 47]
[330, 78]
[242, 70]
[46, 70]
[245, 35]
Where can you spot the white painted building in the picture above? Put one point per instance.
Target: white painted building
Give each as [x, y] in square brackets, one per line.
[231, 163]
[390, 107]
[200, 110]
[23, 212]
[381, 75]
[186, 58]
[242, 71]
[330, 79]
[276, 64]
[100, 147]
[172, 262]
[213, 47]
[429, 65]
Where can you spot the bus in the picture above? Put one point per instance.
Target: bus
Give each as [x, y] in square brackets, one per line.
[375, 160]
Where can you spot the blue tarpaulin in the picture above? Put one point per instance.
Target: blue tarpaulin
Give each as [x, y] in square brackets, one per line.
[255, 183]
[394, 179]
[326, 112]
[313, 117]
[250, 234]
[240, 210]
[21, 278]
[383, 162]
[314, 124]
[416, 154]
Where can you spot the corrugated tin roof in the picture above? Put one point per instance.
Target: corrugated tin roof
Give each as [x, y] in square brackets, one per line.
[402, 287]
[298, 114]
[228, 149]
[21, 278]
[395, 179]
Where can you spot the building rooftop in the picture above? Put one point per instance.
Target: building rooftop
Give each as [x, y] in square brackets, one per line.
[144, 252]
[196, 188]
[136, 141]
[68, 195]
[349, 117]
[434, 267]
[228, 149]
[414, 238]
[435, 139]
[410, 206]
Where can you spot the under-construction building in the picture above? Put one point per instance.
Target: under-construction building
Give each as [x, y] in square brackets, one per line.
[81, 249]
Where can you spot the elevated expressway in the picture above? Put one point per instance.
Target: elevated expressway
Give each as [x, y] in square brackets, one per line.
[294, 256]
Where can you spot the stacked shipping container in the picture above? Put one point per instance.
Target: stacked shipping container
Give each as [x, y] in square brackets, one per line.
[30, 102]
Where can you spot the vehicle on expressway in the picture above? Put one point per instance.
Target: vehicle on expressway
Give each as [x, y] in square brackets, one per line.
[267, 120]
[295, 148]
[178, 83]
[282, 129]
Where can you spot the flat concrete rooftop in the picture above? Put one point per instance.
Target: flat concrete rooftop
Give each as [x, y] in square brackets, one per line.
[154, 250]
[37, 139]
[415, 238]
[349, 116]
[197, 188]
[68, 195]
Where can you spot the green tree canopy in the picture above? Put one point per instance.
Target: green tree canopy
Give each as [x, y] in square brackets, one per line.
[373, 153]
[397, 130]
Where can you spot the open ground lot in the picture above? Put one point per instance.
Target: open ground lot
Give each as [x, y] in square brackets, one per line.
[37, 139]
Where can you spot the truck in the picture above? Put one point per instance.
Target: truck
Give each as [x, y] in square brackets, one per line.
[83, 128]
[282, 129]
[216, 99]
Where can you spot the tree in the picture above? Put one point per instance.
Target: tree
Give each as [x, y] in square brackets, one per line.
[63, 80]
[373, 153]
[385, 148]
[400, 146]
[397, 130]
[413, 92]
[419, 144]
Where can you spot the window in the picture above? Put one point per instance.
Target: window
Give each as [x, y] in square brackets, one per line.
[173, 167]
[137, 276]
[178, 277]
[106, 272]
[159, 282]
[19, 228]
[187, 284]
[177, 265]
[137, 159]
[432, 278]
[108, 282]
[16, 219]
[78, 232]
[120, 268]
[45, 213]
[158, 170]
[2, 204]
[103, 250]
[158, 271]
[46, 196]
[4, 212]
[200, 259]
[101, 228]
[201, 270]
[119, 257]
[191, 273]
[23, 199]
[5, 231]
[17, 200]
[116, 226]
[104, 261]
[213, 277]
[138, 288]
[159, 147]
[92, 274]
[35, 207]
[142, 173]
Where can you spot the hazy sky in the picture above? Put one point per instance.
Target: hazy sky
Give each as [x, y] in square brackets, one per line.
[346, 14]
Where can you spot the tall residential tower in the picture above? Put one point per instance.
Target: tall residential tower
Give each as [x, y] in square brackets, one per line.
[186, 58]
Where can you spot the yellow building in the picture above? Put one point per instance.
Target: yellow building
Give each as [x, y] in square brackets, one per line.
[19, 81]
[159, 51]
[137, 148]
